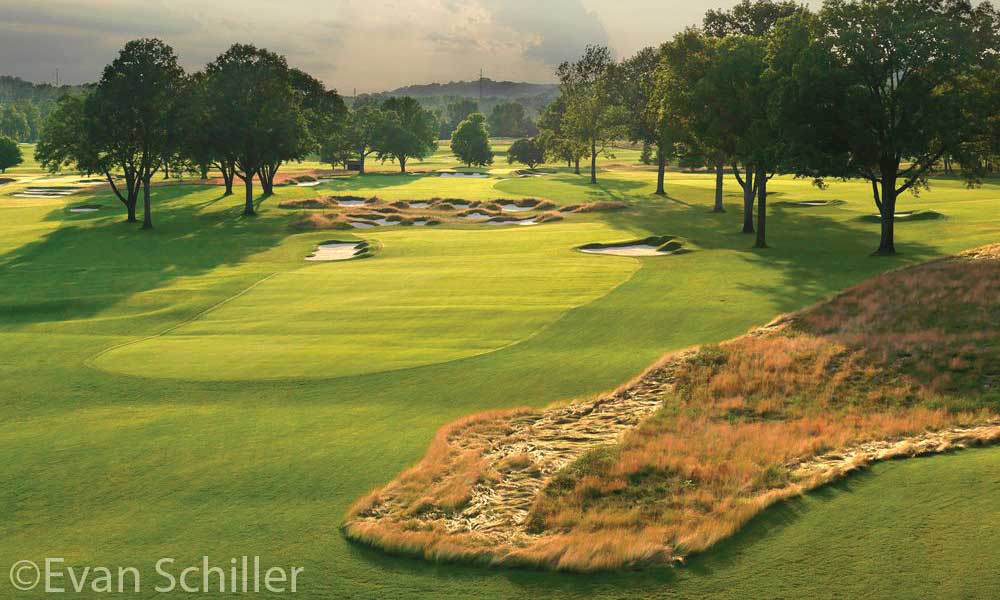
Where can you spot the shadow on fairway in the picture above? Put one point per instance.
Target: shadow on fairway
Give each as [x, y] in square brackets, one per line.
[96, 260]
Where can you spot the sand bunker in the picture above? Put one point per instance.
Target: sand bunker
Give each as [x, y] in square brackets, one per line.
[338, 251]
[474, 175]
[419, 204]
[913, 215]
[475, 215]
[361, 224]
[86, 208]
[651, 246]
[510, 207]
[48, 192]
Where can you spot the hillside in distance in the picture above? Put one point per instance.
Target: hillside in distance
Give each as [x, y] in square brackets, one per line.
[470, 89]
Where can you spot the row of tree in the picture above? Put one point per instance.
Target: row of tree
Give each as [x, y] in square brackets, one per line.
[881, 90]
[245, 115]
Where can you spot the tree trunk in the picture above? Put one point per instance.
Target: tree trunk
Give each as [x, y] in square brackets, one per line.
[887, 210]
[719, 179]
[203, 171]
[761, 209]
[266, 180]
[130, 207]
[147, 209]
[402, 164]
[248, 205]
[361, 169]
[748, 200]
[593, 161]
[577, 165]
[661, 167]
[228, 174]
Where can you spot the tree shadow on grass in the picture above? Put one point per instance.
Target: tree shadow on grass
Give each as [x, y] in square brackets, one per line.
[814, 252]
[91, 263]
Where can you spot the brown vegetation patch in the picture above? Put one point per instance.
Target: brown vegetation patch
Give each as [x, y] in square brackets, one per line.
[904, 364]
[598, 206]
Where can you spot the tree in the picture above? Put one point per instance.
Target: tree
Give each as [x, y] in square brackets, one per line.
[555, 139]
[527, 151]
[749, 17]
[10, 154]
[255, 113]
[14, 123]
[70, 138]
[686, 59]
[457, 112]
[138, 95]
[508, 119]
[590, 115]
[883, 90]
[470, 141]
[409, 131]
[363, 128]
[322, 115]
[646, 121]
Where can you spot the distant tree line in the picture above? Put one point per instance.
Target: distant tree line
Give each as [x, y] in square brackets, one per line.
[24, 107]
[882, 90]
[245, 115]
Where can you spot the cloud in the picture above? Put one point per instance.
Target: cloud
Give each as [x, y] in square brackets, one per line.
[557, 30]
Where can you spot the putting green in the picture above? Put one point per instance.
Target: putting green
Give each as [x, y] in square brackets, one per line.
[426, 297]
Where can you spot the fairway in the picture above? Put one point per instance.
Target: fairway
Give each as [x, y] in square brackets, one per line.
[201, 389]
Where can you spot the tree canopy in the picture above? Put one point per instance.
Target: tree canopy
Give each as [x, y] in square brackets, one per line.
[10, 154]
[470, 141]
[527, 151]
[407, 131]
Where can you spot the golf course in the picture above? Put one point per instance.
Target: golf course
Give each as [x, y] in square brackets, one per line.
[202, 389]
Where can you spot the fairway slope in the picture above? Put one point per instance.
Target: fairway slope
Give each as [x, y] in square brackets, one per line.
[902, 365]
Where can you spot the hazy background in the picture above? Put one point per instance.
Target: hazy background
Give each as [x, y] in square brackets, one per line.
[371, 45]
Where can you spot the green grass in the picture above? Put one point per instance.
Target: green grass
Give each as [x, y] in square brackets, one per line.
[255, 415]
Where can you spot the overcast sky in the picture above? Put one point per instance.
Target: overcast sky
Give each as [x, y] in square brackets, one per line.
[371, 45]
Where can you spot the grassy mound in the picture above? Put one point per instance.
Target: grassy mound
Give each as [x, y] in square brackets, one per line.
[904, 364]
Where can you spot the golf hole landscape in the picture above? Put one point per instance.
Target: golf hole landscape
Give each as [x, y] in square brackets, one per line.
[714, 318]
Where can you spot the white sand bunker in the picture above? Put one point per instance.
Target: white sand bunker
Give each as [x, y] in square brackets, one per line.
[511, 207]
[419, 204]
[48, 192]
[662, 245]
[84, 209]
[475, 215]
[362, 225]
[512, 222]
[420, 222]
[350, 202]
[474, 175]
[338, 251]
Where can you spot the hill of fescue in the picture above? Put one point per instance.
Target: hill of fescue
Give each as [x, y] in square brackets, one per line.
[906, 363]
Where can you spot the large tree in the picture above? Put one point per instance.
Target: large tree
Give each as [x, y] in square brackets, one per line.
[646, 121]
[470, 141]
[256, 114]
[408, 131]
[749, 17]
[138, 95]
[883, 90]
[70, 139]
[591, 115]
[10, 154]
[528, 151]
[361, 134]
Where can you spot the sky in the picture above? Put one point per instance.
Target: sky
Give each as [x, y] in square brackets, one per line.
[367, 45]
